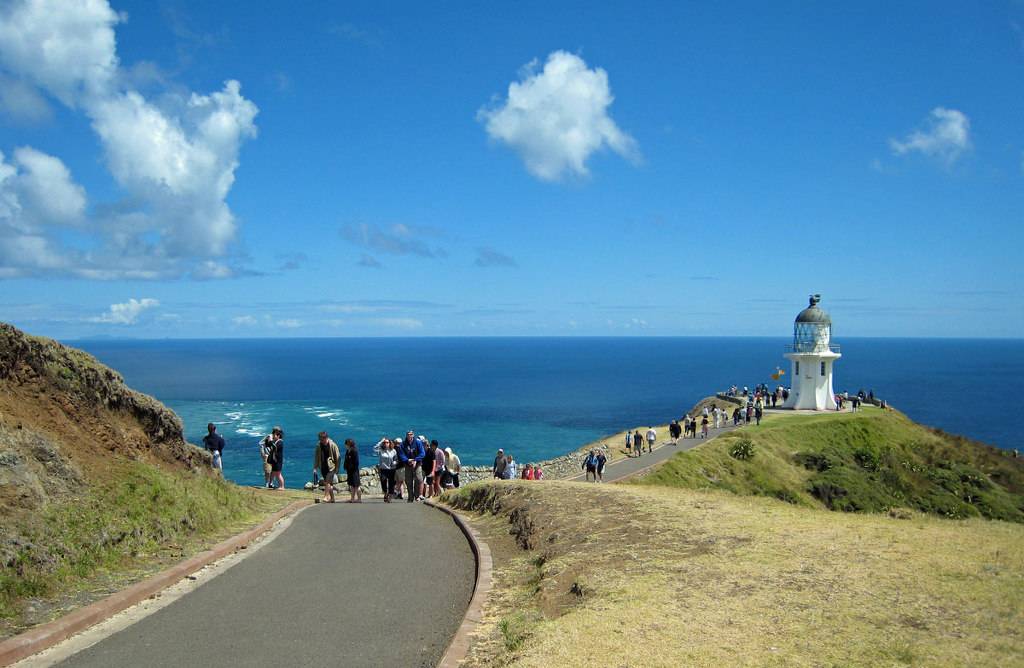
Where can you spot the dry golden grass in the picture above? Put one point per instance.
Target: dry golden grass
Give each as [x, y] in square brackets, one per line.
[668, 577]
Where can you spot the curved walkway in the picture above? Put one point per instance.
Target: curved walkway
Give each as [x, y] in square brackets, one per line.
[621, 469]
[369, 584]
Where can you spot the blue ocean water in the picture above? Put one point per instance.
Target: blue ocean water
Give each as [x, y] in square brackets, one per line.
[538, 397]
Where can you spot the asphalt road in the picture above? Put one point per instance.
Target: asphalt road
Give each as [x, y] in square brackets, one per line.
[369, 584]
[629, 466]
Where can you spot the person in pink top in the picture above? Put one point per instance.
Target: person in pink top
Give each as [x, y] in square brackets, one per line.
[537, 473]
[528, 472]
[438, 467]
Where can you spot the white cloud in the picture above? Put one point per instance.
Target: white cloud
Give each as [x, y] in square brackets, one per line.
[46, 187]
[244, 321]
[289, 323]
[946, 137]
[557, 118]
[126, 313]
[21, 102]
[174, 160]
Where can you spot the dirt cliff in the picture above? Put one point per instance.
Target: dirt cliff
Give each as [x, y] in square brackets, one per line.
[67, 421]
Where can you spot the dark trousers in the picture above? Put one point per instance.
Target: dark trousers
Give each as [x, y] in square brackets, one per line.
[387, 481]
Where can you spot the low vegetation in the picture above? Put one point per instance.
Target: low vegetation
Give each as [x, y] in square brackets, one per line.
[137, 520]
[871, 461]
[630, 575]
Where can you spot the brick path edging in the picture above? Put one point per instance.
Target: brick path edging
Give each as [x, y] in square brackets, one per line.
[47, 635]
[459, 646]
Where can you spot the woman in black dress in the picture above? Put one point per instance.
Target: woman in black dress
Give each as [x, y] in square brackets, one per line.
[352, 471]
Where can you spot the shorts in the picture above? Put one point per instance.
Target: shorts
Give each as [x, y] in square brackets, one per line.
[430, 480]
[330, 478]
[419, 473]
[266, 468]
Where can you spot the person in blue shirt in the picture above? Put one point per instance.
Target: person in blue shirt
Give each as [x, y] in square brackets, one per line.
[410, 454]
[590, 465]
[214, 444]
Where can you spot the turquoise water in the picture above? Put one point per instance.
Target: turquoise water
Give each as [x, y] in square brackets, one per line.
[538, 397]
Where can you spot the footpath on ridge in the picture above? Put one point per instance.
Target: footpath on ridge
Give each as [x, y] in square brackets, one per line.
[620, 469]
[368, 584]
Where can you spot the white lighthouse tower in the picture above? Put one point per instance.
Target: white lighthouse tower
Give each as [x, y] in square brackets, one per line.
[812, 356]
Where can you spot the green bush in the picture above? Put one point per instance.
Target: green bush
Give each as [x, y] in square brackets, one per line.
[742, 449]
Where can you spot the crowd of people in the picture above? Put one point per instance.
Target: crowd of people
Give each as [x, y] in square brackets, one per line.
[504, 468]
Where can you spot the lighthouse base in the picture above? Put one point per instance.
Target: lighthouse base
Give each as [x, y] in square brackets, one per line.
[812, 381]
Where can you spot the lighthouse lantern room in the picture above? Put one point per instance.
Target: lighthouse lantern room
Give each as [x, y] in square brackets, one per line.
[811, 355]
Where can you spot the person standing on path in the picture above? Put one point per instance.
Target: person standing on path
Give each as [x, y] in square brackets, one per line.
[387, 466]
[454, 466]
[326, 458]
[652, 438]
[428, 470]
[510, 468]
[352, 472]
[275, 458]
[673, 431]
[629, 443]
[758, 414]
[704, 427]
[601, 461]
[718, 416]
[215, 446]
[411, 456]
[498, 470]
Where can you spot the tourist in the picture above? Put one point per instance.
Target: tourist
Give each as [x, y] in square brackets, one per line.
[428, 470]
[673, 431]
[748, 413]
[528, 472]
[275, 457]
[590, 466]
[704, 426]
[326, 458]
[686, 425]
[498, 470]
[510, 467]
[439, 466]
[717, 415]
[411, 456]
[758, 414]
[601, 461]
[265, 448]
[629, 443]
[215, 446]
[454, 465]
[387, 468]
[352, 472]
[638, 442]
[652, 437]
[399, 468]
[538, 474]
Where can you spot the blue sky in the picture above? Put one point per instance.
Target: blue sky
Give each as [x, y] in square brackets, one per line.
[176, 169]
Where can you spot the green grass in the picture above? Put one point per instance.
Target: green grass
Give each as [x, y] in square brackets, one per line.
[871, 461]
[116, 526]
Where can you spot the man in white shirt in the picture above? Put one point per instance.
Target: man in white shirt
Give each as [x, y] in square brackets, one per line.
[718, 416]
[652, 436]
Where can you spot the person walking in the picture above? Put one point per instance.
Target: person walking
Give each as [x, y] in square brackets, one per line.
[214, 444]
[439, 467]
[629, 443]
[652, 437]
[275, 457]
[411, 454]
[718, 416]
[758, 414]
[601, 461]
[326, 458]
[638, 442]
[510, 467]
[590, 466]
[673, 431]
[454, 465]
[387, 468]
[352, 472]
[498, 470]
[704, 426]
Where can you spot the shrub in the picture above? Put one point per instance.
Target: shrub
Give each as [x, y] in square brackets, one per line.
[867, 459]
[742, 449]
[813, 461]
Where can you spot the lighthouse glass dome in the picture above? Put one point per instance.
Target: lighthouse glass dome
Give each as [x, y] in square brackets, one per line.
[812, 330]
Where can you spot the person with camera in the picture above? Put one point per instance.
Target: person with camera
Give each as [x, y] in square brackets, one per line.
[325, 461]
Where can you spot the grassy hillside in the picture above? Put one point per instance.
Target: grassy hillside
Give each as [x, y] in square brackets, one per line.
[97, 483]
[871, 461]
[641, 576]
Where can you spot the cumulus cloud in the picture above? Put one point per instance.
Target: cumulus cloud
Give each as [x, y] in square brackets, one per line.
[395, 240]
[946, 136]
[557, 117]
[174, 157]
[488, 257]
[126, 313]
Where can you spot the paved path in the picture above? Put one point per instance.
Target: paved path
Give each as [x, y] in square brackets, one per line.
[395, 578]
[621, 469]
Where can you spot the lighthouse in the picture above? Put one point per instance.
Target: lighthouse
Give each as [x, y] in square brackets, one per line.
[812, 355]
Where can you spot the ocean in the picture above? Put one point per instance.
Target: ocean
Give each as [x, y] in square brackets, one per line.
[535, 397]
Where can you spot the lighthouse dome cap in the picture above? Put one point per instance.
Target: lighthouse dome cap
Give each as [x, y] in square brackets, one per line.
[814, 313]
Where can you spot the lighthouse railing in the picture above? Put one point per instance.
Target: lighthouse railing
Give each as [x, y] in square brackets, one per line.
[812, 347]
